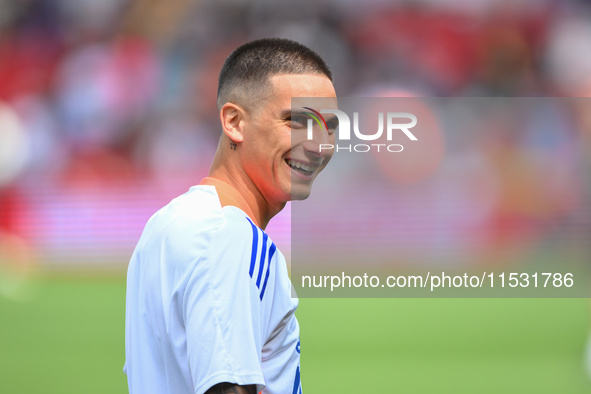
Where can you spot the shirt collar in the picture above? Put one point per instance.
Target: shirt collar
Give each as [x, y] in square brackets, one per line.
[228, 195]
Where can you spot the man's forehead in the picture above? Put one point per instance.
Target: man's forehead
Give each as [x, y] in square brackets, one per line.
[316, 103]
[302, 85]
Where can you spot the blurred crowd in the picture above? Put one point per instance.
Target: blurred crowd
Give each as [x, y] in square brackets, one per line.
[116, 92]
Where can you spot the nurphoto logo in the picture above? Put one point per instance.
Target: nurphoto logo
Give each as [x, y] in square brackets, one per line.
[395, 122]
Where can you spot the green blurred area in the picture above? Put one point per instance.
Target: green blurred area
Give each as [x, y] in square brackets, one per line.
[67, 336]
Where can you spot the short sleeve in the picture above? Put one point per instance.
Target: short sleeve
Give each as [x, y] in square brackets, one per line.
[222, 312]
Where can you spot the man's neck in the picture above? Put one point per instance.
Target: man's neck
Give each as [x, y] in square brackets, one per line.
[235, 191]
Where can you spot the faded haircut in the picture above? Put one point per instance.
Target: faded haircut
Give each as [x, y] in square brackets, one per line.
[244, 78]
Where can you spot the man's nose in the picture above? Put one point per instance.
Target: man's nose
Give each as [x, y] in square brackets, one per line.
[320, 141]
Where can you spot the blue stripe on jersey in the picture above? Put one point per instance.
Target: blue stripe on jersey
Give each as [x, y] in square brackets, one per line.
[263, 258]
[262, 261]
[271, 253]
[255, 244]
[296, 382]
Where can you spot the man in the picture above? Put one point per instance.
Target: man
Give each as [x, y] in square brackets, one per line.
[209, 306]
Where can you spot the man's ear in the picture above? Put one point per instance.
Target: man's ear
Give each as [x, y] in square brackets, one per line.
[232, 118]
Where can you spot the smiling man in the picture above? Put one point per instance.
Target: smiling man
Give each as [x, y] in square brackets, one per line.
[209, 303]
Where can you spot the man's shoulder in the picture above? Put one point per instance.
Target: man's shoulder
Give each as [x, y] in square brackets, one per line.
[192, 227]
[199, 211]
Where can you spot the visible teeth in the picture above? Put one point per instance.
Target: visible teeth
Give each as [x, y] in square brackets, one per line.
[301, 166]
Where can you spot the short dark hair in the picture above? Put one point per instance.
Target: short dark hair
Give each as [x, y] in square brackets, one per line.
[247, 69]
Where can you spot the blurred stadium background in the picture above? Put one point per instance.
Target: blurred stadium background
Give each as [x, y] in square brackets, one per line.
[107, 111]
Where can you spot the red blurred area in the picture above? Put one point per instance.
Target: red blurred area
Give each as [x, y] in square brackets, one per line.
[117, 99]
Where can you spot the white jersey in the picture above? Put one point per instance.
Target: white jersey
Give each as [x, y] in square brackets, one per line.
[208, 301]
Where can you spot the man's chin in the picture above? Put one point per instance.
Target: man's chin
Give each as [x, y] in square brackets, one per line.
[298, 193]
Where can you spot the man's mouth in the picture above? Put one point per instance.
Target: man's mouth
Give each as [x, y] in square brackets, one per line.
[306, 169]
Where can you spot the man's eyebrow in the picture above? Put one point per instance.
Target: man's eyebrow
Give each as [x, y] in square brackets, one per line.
[288, 113]
[331, 122]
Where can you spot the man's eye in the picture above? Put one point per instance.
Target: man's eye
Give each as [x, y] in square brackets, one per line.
[298, 121]
[332, 125]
